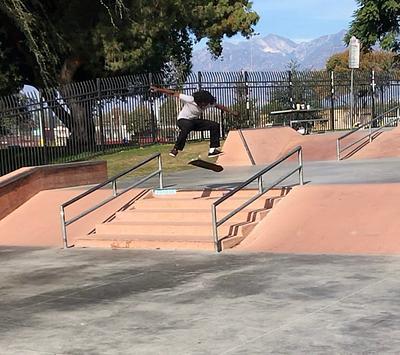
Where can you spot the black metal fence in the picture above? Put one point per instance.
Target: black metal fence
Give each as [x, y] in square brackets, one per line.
[81, 120]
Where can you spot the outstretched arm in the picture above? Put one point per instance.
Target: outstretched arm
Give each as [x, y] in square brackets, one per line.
[226, 109]
[165, 91]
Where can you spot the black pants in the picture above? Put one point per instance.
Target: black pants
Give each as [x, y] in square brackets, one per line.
[186, 126]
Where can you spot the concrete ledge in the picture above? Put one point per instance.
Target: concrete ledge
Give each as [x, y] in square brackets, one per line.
[19, 186]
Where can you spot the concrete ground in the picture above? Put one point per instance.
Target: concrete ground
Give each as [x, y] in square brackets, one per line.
[79, 301]
[384, 170]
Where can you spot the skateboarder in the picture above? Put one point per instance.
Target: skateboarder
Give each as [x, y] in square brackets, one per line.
[189, 118]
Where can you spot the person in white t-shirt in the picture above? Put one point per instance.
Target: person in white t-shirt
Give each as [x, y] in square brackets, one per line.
[189, 118]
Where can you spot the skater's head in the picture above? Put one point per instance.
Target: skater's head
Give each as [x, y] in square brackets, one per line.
[203, 98]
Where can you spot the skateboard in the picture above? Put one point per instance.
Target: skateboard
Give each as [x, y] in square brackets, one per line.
[206, 165]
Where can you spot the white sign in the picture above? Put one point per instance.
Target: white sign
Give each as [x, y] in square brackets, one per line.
[354, 53]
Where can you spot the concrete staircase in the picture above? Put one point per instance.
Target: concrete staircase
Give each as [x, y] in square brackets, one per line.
[181, 221]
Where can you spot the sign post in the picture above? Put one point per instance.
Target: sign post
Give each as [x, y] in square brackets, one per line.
[354, 63]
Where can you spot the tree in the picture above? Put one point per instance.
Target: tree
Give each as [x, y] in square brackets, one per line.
[21, 119]
[376, 21]
[379, 61]
[244, 105]
[168, 112]
[139, 121]
[55, 42]
[59, 41]
[382, 62]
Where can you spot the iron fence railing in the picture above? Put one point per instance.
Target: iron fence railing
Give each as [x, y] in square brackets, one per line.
[80, 120]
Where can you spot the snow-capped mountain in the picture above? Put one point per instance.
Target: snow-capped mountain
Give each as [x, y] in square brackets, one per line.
[270, 53]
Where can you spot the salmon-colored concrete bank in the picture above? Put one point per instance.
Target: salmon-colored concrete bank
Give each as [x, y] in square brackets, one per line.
[331, 219]
[265, 145]
[37, 221]
[386, 145]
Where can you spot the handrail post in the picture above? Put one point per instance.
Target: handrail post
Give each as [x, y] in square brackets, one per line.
[300, 159]
[215, 227]
[114, 187]
[160, 174]
[370, 131]
[398, 115]
[63, 227]
[260, 184]
[338, 149]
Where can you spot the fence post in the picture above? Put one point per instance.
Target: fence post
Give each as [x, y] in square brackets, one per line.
[222, 124]
[199, 79]
[372, 106]
[153, 116]
[199, 86]
[43, 128]
[351, 98]
[332, 113]
[373, 85]
[292, 105]
[100, 114]
[246, 87]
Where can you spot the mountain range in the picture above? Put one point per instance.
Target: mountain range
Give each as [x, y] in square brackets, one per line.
[270, 53]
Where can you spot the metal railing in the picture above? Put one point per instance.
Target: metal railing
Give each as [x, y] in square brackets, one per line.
[371, 132]
[113, 180]
[261, 191]
[83, 119]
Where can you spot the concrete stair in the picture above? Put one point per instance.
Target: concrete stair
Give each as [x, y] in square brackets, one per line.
[181, 221]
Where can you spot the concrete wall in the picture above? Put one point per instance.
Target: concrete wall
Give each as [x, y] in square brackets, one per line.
[20, 185]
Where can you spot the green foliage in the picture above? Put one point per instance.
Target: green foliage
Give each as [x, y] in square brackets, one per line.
[245, 106]
[301, 92]
[376, 21]
[19, 119]
[380, 61]
[59, 41]
[29, 40]
[169, 112]
[139, 121]
[121, 160]
[9, 75]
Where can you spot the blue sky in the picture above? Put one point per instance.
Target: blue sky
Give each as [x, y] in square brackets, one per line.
[302, 20]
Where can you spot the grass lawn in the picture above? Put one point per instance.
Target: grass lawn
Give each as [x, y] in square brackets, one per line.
[124, 159]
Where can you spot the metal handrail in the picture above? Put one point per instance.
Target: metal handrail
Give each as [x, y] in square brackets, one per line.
[112, 180]
[261, 191]
[370, 134]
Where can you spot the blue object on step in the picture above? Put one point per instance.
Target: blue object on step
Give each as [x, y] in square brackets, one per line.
[164, 191]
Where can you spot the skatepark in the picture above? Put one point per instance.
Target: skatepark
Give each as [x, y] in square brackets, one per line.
[308, 268]
[330, 213]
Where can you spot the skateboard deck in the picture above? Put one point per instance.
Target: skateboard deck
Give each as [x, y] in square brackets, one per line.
[206, 165]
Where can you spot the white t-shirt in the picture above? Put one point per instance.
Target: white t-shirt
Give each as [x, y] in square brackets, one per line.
[190, 110]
